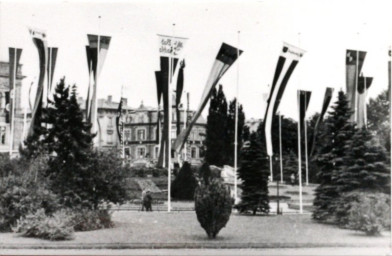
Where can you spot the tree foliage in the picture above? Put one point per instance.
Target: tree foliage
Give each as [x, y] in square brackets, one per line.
[183, 187]
[254, 173]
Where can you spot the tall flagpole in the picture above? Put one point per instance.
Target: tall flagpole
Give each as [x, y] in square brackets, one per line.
[49, 75]
[185, 118]
[280, 148]
[122, 126]
[306, 145]
[169, 130]
[299, 154]
[236, 121]
[390, 133]
[13, 94]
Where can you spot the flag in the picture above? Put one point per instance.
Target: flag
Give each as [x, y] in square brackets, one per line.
[96, 53]
[354, 63]
[287, 62]
[227, 55]
[14, 57]
[119, 122]
[304, 98]
[39, 39]
[170, 48]
[51, 64]
[327, 99]
[363, 86]
[159, 96]
[180, 87]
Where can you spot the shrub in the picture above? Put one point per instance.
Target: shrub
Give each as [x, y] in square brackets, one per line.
[40, 225]
[86, 219]
[25, 191]
[183, 187]
[369, 214]
[213, 206]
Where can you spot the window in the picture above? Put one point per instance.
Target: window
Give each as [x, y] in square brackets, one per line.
[127, 135]
[110, 137]
[156, 152]
[174, 133]
[141, 134]
[141, 152]
[193, 152]
[110, 121]
[141, 119]
[1, 100]
[2, 135]
[127, 152]
[173, 151]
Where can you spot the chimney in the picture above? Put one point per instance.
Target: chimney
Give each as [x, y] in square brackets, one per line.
[109, 98]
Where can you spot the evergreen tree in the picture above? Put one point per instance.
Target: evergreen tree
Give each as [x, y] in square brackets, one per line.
[378, 119]
[230, 129]
[338, 130]
[254, 173]
[364, 165]
[183, 187]
[216, 129]
[72, 146]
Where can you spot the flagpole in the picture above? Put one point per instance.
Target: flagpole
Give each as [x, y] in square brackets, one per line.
[185, 117]
[280, 148]
[122, 126]
[236, 121]
[169, 130]
[12, 125]
[356, 87]
[299, 154]
[306, 145]
[49, 75]
[390, 133]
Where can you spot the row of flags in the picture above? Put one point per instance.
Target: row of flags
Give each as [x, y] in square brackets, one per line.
[172, 65]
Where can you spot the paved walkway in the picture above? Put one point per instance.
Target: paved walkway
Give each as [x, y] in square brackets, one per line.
[146, 230]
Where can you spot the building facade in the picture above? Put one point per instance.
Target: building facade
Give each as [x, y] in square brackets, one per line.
[5, 126]
[140, 132]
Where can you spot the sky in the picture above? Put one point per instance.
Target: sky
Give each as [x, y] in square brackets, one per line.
[324, 29]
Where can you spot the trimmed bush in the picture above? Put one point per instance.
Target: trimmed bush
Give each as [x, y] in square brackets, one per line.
[40, 225]
[369, 214]
[213, 206]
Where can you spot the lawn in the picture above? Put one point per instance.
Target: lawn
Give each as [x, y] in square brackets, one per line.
[181, 229]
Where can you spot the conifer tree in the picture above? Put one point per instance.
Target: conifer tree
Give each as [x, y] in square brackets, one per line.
[378, 119]
[183, 187]
[337, 131]
[72, 146]
[230, 129]
[216, 128]
[254, 173]
[364, 165]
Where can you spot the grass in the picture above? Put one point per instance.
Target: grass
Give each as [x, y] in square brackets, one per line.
[183, 228]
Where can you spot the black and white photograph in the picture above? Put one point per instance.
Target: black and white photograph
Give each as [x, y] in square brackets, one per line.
[211, 127]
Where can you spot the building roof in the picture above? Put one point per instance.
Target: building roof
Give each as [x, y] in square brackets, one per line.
[108, 104]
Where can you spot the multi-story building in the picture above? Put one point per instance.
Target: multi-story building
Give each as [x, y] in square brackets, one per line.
[140, 132]
[5, 94]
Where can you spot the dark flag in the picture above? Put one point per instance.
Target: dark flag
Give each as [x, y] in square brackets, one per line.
[227, 55]
[363, 85]
[180, 87]
[14, 57]
[304, 98]
[327, 99]
[354, 63]
[39, 39]
[288, 60]
[119, 122]
[51, 64]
